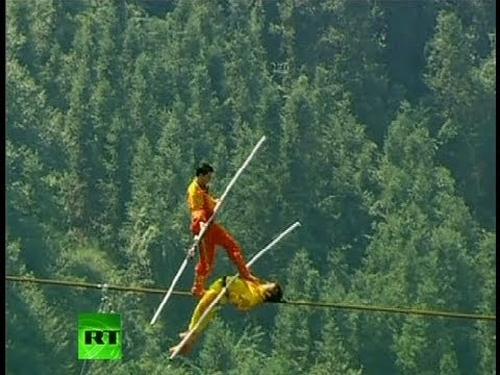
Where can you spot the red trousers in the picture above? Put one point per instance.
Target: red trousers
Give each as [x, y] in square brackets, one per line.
[215, 236]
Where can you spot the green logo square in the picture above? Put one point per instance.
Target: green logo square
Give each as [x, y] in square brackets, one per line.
[99, 336]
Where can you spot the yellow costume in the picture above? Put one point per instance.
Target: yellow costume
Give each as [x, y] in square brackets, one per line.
[242, 293]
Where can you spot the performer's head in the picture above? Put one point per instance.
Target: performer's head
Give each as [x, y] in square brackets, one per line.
[204, 173]
[273, 292]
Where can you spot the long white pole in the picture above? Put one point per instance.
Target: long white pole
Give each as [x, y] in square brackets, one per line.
[223, 291]
[198, 238]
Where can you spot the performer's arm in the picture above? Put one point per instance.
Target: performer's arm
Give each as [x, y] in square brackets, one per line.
[198, 212]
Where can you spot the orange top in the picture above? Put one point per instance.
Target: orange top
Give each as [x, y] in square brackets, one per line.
[201, 204]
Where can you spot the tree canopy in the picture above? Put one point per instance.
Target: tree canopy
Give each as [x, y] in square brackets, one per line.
[380, 126]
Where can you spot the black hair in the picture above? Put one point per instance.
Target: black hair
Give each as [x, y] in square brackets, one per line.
[204, 169]
[276, 295]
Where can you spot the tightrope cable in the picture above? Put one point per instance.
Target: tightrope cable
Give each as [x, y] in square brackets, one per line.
[339, 306]
[104, 306]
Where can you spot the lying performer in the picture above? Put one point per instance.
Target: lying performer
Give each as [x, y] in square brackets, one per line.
[242, 293]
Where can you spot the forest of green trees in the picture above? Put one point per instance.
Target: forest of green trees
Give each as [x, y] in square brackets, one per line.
[380, 125]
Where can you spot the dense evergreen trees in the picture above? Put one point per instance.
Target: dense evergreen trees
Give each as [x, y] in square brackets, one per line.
[380, 118]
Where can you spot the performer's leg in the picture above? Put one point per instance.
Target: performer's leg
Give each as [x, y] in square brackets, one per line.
[205, 263]
[224, 239]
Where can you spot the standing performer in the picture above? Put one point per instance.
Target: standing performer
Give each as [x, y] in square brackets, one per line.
[243, 294]
[202, 204]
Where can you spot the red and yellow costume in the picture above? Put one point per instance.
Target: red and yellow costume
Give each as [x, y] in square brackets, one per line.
[243, 294]
[202, 205]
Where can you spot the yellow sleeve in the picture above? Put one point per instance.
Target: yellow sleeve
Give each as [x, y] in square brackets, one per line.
[195, 199]
[196, 203]
[204, 303]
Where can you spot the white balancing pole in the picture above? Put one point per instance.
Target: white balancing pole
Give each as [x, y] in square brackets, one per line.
[198, 238]
[223, 291]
